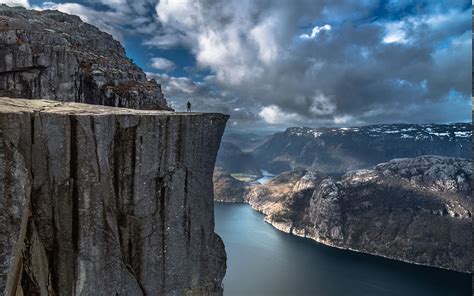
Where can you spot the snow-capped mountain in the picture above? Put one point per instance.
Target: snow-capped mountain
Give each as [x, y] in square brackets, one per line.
[336, 150]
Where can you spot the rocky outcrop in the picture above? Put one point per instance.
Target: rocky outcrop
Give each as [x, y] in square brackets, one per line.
[338, 150]
[55, 56]
[228, 188]
[416, 209]
[106, 199]
[285, 195]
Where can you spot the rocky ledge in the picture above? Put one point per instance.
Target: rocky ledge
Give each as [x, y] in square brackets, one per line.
[96, 198]
[416, 210]
[55, 56]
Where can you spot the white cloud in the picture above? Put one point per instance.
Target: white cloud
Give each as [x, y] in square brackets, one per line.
[315, 32]
[23, 3]
[103, 20]
[182, 12]
[394, 33]
[113, 3]
[343, 119]
[264, 35]
[165, 41]
[162, 64]
[274, 115]
[222, 36]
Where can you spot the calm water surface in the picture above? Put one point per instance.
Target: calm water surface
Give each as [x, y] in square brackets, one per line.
[264, 261]
[267, 176]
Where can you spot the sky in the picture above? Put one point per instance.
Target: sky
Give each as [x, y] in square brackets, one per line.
[271, 64]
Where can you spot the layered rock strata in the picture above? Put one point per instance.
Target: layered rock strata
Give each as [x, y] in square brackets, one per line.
[55, 56]
[107, 199]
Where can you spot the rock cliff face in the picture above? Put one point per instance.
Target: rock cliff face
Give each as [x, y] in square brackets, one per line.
[338, 150]
[227, 188]
[106, 199]
[55, 56]
[415, 210]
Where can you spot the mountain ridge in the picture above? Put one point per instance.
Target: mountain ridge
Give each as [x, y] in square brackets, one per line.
[337, 150]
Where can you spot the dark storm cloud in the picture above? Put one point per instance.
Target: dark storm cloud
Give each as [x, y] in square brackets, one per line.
[342, 62]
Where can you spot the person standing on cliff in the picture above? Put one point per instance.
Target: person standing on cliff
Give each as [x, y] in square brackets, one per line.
[189, 106]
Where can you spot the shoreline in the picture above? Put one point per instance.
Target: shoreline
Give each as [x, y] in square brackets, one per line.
[285, 226]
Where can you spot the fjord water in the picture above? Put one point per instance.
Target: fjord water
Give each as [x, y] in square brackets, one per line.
[266, 176]
[263, 261]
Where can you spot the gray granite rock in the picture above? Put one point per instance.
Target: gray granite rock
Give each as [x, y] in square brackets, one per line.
[55, 56]
[95, 198]
[414, 209]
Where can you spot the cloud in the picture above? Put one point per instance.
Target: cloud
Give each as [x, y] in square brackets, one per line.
[394, 33]
[165, 41]
[119, 17]
[162, 64]
[274, 115]
[343, 119]
[256, 51]
[23, 3]
[103, 20]
[316, 30]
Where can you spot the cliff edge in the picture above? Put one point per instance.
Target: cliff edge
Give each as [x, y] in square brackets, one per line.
[96, 198]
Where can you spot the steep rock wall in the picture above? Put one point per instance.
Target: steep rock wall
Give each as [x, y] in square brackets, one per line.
[107, 199]
[55, 56]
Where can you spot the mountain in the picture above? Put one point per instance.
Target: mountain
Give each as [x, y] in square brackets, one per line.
[413, 209]
[338, 150]
[232, 159]
[55, 56]
[246, 141]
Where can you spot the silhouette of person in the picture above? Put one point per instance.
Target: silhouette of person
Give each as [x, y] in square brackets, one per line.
[189, 106]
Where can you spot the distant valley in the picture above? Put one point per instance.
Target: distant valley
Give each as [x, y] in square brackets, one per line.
[376, 189]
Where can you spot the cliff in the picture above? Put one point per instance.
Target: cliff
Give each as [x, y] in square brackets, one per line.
[107, 199]
[415, 209]
[55, 56]
[338, 150]
[228, 188]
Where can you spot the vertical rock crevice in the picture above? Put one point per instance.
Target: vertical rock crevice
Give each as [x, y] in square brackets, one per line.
[108, 205]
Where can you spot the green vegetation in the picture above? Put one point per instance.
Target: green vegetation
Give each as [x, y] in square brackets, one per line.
[245, 177]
